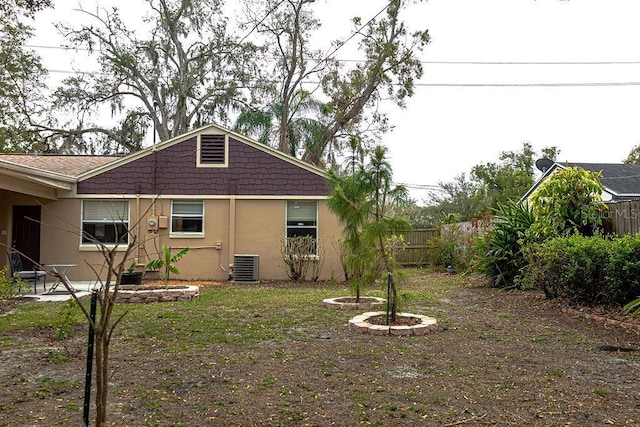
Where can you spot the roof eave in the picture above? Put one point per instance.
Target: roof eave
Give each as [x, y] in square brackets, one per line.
[22, 169]
[545, 174]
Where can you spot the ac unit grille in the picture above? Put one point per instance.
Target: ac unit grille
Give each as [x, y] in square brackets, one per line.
[246, 268]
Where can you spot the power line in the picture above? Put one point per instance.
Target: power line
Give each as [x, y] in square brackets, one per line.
[315, 69]
[552, 84]
[420, 186]
[72, 72]
[357, 32]
[538, 84]
[40, 46]
[255, 27]
[422, 62]
[532, 62]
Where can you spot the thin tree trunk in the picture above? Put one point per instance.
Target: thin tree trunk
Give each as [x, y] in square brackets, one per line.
[357, 273]
[392, 283]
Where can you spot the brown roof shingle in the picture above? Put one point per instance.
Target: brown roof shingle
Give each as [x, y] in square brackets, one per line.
[69, 165]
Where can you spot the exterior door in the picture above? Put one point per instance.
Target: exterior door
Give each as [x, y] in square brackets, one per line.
[26, 233]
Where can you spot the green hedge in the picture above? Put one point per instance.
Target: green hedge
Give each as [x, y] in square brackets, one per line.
[623, 269]
[499, 251]
[585, 270]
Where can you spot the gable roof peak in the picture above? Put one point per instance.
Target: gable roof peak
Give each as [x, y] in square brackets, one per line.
[199, 131]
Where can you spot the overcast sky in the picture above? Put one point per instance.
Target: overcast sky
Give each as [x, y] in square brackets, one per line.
[457, 119]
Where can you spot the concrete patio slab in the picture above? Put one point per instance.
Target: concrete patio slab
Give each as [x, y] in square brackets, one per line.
[83, 288]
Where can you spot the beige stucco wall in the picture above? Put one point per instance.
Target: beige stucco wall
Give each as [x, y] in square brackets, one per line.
[204, 260]
[260, 227]
[330, 229]
[5, 224]
[241, 226]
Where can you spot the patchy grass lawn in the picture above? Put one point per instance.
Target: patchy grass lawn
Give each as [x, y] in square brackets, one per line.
[270, 354]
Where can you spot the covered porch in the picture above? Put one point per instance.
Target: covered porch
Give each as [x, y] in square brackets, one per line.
[24, 190]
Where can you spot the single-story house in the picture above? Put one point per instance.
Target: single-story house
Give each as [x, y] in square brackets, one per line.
[621, 181]
[212, 190]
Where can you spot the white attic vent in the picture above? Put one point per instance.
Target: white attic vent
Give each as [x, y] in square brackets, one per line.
[212, 151]
[246, 268]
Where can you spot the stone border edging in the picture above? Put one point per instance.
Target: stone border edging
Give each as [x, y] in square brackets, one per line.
[427, 325]
[186, 293]
[607, 321]
[362, 305]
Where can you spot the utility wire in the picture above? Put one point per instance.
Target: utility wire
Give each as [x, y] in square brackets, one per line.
[319, 63]
[543, 84]
[255, 27]
[328, 56]
[532, 62]
[553, 84]
[422, 62]
[420, 186]
[357, 32]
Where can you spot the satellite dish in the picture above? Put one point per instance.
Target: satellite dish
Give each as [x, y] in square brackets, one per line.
[544, 164]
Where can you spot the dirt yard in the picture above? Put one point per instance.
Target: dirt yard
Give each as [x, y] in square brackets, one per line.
[502, 359]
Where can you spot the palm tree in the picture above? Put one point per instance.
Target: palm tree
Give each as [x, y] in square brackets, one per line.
[362, 201]
[293, 129]
[382, 225]
[350, 201]
[356, 159]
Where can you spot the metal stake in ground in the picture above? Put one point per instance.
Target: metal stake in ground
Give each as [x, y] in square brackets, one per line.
[87, 376]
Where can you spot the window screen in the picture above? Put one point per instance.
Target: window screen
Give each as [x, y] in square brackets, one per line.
[105, 221]
[302, 218]
[187, 216]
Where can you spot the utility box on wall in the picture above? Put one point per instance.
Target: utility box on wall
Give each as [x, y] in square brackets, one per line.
[163, 221]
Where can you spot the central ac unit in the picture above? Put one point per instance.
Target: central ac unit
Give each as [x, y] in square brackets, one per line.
[246, 268]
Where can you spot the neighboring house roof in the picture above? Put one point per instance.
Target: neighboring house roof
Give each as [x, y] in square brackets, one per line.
[177, 167]
[620, 180]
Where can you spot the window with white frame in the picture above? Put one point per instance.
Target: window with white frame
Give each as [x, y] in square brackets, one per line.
[302, 219]
[106, 221]
[187, 216]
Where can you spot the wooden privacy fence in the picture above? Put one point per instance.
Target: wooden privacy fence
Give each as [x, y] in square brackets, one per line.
[623, 217]
[417, 246]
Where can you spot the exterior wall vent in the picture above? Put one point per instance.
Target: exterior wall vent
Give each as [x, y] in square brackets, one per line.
[246, 268]
[212, 151]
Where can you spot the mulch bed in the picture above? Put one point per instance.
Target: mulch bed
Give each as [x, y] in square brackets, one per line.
[350, 300]
[400, 320]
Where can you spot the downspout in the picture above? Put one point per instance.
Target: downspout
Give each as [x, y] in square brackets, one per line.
[232, 228]
[155, 170]
[155, 167]
[232, 190]
[140, 248]
[154, 149]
